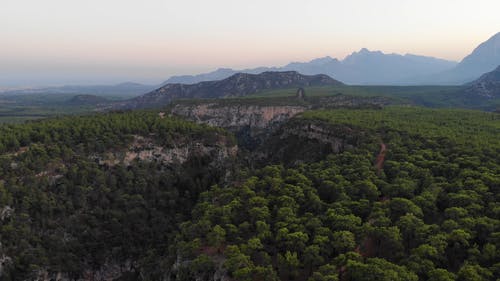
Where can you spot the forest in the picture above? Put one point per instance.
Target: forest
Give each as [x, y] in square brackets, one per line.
[417, 198]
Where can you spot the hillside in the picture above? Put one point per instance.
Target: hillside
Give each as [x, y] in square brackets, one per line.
[394, 193]
[483, 59]
[238, 85]
[86, 198]
[487, 86]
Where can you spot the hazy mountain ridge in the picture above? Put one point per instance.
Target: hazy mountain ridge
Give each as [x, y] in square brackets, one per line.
[122, 89]
[367, 67]
[483, 59]
[363, 67]
[240, 84]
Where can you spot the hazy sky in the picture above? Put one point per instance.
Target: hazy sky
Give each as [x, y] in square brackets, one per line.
[108, 41]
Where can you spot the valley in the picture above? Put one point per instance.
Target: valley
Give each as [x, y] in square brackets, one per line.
[254, 188]
[17, 109]
[390, 173]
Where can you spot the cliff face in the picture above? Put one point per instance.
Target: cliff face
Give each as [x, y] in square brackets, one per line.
[250, 123]
[238, 116]
[145, 149]
[301, 140]
[255, 120]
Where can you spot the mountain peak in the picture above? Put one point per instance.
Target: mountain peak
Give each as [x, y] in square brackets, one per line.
[323, 60]
[484, 58]
[224, 69]
[364, 51]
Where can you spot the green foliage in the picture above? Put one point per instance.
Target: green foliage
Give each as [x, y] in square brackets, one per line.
[63, 212]
[429, 96]
[428, 212]
[431, 213]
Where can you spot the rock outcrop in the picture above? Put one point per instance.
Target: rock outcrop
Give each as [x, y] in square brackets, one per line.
[254, 120]
[251, 123]
[146, 149]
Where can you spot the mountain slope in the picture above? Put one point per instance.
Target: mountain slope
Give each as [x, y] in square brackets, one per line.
[488, 85]
[484, 58]
[363, 67]
[237, 85]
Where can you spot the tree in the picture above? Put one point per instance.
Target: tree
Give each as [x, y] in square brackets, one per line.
[312, 257]
[326, 272]
[440, 274]
[469, 272]
[343, 241]
[288, 264]
[378, 269]
[401, 206]
[217, 236]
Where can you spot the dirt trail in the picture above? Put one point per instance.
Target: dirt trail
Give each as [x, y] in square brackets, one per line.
[379, 163]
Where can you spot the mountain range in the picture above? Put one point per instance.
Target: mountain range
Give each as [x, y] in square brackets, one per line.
[237, 85]
[361, 68]
[367, 67]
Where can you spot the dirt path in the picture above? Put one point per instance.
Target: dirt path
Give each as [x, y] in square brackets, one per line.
[379, 163]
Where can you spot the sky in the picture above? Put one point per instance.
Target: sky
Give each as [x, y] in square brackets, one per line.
[55, 42]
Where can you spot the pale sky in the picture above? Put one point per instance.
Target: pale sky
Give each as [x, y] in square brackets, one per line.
[110, 41]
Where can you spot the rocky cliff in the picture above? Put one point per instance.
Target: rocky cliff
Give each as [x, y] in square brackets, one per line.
[146, 149]
[251, 123]
[254, 120]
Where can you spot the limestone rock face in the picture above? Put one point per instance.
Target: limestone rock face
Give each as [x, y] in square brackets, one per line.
[271, 133]
[145, 149]
[255, 120]
[250, 123]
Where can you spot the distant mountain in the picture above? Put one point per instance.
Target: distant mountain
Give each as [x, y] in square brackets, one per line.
[128, 89]
[363, 67]
[377, 68]
[240, 84]
[487, 86]
[485, 58]
[81, 100]
[218, 74]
